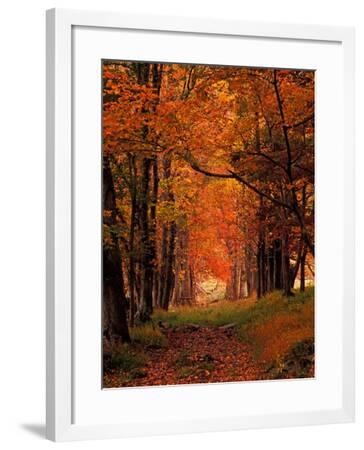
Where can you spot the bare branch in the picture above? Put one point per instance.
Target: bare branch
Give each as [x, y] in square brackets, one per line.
[302, 122]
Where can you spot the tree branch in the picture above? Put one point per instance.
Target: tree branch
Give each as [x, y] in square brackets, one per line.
[261, 193]
[302, 122]
[145, 143]
[207, 172]
[232, 175]
[264, 155]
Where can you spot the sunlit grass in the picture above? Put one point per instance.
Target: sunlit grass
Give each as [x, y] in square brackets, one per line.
[221, 313]
[275, 335]
[242, 312]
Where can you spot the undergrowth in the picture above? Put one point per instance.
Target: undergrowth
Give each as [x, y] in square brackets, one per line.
[148, 336]
[279, 330]
[129, 360]
[124, 357]
[273, 325]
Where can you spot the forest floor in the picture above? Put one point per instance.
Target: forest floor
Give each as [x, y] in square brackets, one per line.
[228, 341]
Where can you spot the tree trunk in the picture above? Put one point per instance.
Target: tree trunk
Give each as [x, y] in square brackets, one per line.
[133, 223]
[259, 272]
[262, 269]
[302, 275]
[278, 281]
[163, 265]
[146, 73]
[147, 249]
[234, 283]
[295, 269]
[184, 292]
[153, 227]
[242, 287]
[249, 272]
[286, 267]
[114, 301]
[270, 285]
[261, 252]
[169, 230]
[167, 292]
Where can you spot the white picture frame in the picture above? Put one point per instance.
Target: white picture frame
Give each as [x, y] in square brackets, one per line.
[61, 322]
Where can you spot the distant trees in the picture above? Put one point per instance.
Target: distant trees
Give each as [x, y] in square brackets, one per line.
[273, 156]
[207, 170]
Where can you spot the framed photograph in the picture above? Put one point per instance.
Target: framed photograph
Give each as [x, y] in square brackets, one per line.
[200, 237]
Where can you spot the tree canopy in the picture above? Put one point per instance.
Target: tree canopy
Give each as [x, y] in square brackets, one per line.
[208, 173]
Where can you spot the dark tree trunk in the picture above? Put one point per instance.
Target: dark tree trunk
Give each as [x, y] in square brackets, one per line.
[298, 212]
[132, 250]
[302, 274]
[295, 269]
[233, 287]
[250, 286]
[145, 307]
[233, 284]
[277, 247]
[259, 272]
[153, 226]
[147, 248]
[248, 281]
[286, 267]
[163, 264]
[242, 280]
[184, 292]
[169, 282]
[262, 269]
[157, 71]
[270, 285]
[238, 278]
[168, 256]
[114, 301]
[261, 252]
[304, 249]
[147, 73]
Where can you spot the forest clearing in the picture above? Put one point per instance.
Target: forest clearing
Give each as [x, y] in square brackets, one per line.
[208, 224]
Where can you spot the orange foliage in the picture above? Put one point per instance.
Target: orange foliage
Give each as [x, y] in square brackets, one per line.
[276, 335]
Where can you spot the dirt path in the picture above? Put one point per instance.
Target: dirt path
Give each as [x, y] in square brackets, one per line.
[198, 355]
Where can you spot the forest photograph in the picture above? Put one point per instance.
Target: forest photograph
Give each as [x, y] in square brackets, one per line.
[208, 245]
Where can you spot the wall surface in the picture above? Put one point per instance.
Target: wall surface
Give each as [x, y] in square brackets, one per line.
[22, 180]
